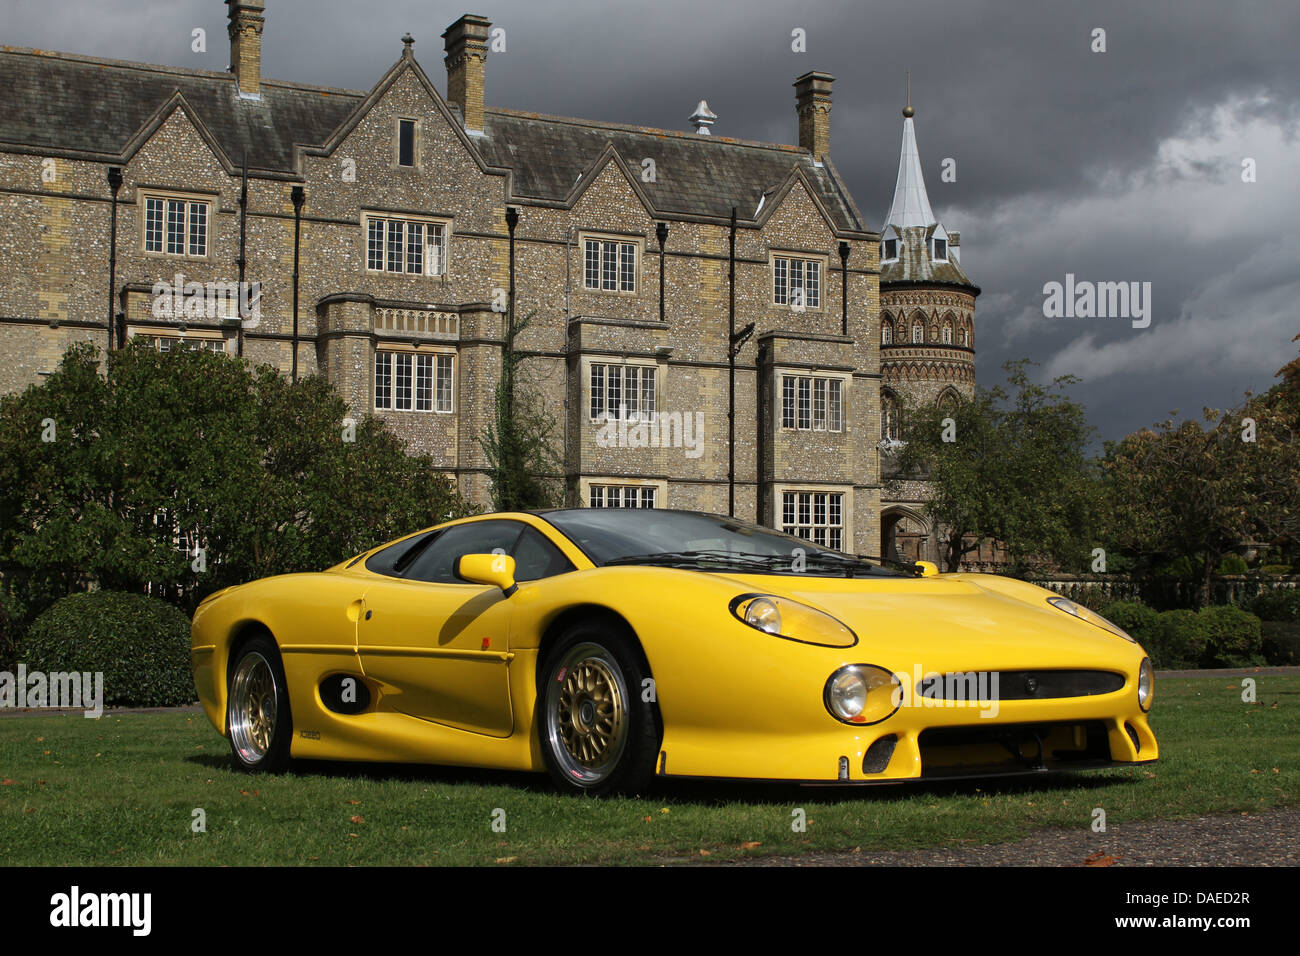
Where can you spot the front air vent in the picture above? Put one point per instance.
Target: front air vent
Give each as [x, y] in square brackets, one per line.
[345, 694]
[879, 754]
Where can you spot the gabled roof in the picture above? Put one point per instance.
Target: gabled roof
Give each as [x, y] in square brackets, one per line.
[92, 108]
[58, 102]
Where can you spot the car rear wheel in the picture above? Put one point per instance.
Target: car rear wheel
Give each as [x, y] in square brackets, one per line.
[257, 709]
[598, 727]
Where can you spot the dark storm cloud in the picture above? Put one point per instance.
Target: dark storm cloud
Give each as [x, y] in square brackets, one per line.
[1123, 165]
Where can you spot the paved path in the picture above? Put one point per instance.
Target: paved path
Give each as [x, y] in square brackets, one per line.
[1229, 839]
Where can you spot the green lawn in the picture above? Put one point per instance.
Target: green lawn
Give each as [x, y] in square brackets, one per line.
[122, 790]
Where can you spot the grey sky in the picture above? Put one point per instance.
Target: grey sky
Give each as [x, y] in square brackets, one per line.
[1115, 166]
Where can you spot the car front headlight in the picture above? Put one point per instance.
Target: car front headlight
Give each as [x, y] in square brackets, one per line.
[1092, 617]
[862, 694]
[1146, 683]
[782, 617]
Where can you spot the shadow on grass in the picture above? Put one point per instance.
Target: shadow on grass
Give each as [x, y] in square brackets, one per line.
[704, 792]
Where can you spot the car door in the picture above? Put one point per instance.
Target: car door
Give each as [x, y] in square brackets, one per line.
[439, 645]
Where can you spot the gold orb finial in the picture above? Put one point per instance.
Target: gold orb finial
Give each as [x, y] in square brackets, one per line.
[909, 112]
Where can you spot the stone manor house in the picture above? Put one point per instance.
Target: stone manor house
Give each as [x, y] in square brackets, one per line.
[413, 212]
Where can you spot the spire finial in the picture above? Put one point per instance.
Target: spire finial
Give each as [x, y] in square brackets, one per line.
[908, 112]
[407, 42]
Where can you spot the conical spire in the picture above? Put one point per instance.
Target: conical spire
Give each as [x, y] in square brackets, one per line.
[911, 206]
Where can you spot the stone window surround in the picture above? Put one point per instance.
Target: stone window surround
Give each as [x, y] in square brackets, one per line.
[417, 143]
[144, 193]
[780, 489]
[422, 349]
[444, 222]
[176, 333]
[781, 371]
[588, 361]
[823, 273]
[638, 254]
[659, 484]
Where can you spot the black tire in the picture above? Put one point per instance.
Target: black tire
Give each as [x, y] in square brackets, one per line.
[597, 732]
[259, 721]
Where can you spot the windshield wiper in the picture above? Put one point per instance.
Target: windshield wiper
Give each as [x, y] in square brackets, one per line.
[819, 560]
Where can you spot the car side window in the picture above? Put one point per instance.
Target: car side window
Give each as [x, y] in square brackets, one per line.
[536, 558]
[437, 563]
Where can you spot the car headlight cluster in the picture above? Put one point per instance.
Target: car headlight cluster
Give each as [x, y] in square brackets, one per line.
[1146, 683]
[862, 694]
[782, 617]
[1092, 617]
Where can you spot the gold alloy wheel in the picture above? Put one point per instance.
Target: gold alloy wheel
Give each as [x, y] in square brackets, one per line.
[254, 706]
[586, 713]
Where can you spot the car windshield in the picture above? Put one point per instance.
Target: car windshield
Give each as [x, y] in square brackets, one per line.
[611, 536]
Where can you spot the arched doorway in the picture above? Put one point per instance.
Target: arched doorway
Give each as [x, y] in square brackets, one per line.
[904, 535]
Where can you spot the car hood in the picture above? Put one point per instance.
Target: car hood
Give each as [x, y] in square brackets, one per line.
[957, 621]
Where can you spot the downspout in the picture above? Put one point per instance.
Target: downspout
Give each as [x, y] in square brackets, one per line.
[844, 288]
[568, 317]
[298, 196]
[731, 369]
[243, 231]
[114, 184]
[508, 356]
[661, 233]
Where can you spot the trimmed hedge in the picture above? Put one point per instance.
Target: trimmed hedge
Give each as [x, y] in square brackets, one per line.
[141, 644]
[1218, 636]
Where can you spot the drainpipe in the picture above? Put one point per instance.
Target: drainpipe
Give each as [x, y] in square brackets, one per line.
[114, 184]
[298, 196]
[243, 232]
[661, 233]
[731, 369]
[844, 288]
[507, 364]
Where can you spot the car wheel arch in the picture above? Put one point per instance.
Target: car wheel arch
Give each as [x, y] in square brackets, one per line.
[588, 613]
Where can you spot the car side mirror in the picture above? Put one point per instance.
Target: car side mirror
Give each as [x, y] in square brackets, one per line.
[928, 568]
[497, 570]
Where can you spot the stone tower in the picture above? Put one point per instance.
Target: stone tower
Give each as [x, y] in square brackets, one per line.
[927, 334]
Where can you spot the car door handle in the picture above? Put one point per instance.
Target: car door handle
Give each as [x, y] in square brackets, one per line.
[354, 610]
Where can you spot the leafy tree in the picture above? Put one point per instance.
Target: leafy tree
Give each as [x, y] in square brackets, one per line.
[1007, 467]
[1201, 490]
[260, 473]
[520, 441]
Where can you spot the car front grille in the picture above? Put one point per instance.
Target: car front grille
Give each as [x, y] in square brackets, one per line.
[1018, 685]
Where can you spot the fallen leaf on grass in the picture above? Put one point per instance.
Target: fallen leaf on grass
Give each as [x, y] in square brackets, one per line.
[507, 859]
[706, 853]
[750, 844]
[354, 803]
[6, 782]
[1100, 859]
[358, 819]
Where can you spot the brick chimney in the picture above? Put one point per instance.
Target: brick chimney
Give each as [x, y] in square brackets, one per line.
[246, 21]
[812, 97]
[467, 47]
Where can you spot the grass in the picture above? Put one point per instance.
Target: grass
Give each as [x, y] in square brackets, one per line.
[122, 790]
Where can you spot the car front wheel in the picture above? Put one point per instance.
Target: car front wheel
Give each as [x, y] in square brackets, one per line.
[257, 709]
[598, 726]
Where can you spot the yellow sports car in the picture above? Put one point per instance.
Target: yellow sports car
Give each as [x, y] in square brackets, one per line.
[612, 646]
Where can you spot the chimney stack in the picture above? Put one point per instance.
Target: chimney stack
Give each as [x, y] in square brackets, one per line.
[812, 97]
[246, 21]
[466, 42]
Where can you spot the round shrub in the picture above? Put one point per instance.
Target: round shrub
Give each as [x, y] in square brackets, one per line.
[1233, 564]
[141, 644]
[1134, 616]
[1177, 640]
[1232, 637]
